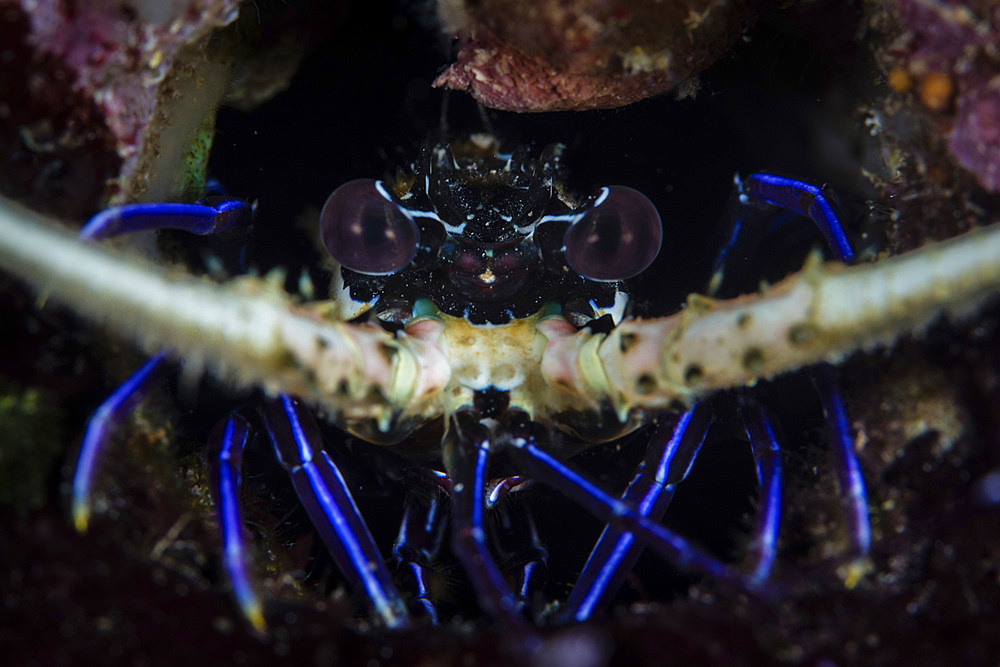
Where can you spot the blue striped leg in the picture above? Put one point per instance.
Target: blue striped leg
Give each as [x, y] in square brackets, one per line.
[211, 215]
[767, 457]
[208, 216]
[819, 204]
[331, 508]
[758, 197]
[204, 218]
[815, 202]
[527, 448]
[672, 451]
[853, 494]
[421, 535]
[102, 426]
[517, 538]
[466, 454]
[226, 445]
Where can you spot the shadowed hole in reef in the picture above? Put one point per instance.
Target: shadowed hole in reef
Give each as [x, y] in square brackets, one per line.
[341, 118]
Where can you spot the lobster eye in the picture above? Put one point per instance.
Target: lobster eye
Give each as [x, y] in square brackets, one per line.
[617, 238]
[364, 230]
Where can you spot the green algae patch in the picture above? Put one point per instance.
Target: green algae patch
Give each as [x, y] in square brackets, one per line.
[30, 443]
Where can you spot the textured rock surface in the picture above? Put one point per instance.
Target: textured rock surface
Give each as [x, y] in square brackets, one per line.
[554, 55]
[940, 117]
[102, 99]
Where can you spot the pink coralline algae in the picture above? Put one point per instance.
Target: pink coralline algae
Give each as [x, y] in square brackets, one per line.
[583, 54]
[95, 87]
[956, 40]
[975, 140]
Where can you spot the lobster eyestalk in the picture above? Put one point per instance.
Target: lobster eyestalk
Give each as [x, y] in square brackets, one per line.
[823, 313]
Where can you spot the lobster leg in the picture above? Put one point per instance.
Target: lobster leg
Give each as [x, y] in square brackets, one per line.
[756, 199]
[102, 425]
[853, 494]
[813, 201]
[757, 196]
[520, 544]
[209, 216]
[466, 454]
[650, 493]
[767, 458]
[421, 535]
[226, 445]
[527, 448]
[331, 508]
[671, 453]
